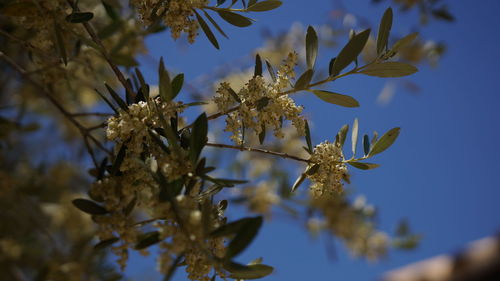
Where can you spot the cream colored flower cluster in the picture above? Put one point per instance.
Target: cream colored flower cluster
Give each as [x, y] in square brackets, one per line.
[178, 15]
[326, 169]
[262, 197]
[262, 105]
[350, 224]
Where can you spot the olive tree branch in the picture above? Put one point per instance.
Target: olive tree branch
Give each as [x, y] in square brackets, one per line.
[252, 149]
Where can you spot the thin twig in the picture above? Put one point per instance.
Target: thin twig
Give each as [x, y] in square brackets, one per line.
[93, 35]
[252, 149]
[48, 95]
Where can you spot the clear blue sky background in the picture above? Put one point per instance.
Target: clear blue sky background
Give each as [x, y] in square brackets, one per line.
[442, 172]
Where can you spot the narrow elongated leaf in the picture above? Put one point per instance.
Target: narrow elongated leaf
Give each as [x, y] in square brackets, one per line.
[118, 160]
[342, 134]
[330, 66]
[106, 243]
[299, 181]
[384, 31]
[364, 166]
[271, 70]
[258, 66]
[308, 138]
[366, 144]
[262, 134]
[234, 95]
[79, 17]
[385, 141]
[311, 47]
[263, 6]
[198, 137]
[354, 136]
[165, 86]
[389, 69]
[144, 87]
[177, 83]
[244, 237]
[147, 239]
[230, 228]
[214, 23]
[336, 98]
[304, 80]
[234, 18]
[247, 272]
[206, 29]
[350, 52]
[89, 207]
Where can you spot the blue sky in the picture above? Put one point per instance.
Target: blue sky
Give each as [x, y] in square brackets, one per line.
[440, 174]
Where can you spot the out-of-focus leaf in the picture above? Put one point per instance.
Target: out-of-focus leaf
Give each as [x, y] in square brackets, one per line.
[258, 66]
[106, 243]
[271, 70]
[389, 69]
[247, 272]
[335, 98]
[89, 207]
[79, 17]
[118, 160]
[147, 239]
[60, 44]
[19, 9]
[311, 47]
[244, 237]
[403, 42]
[124, 60]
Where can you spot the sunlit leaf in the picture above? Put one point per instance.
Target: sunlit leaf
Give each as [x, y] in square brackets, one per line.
[234, 18]
[247, 272]
[304, 80]
[354, 136]
[263, 6]
[363, 166]
[350, 52]
[335, 98]
[311, 47]
[385, 141]
[206, 29]
[384, 31]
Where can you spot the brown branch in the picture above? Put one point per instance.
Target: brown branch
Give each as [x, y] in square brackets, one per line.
[93, 35]
[48, 95]
[252, 149]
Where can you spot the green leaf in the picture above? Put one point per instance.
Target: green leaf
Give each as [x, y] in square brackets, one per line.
[366, 144]
[389, 69]
[335, 98]
[364, 166]
[106, 243]
[311, 47]
[177, 83]
[342, 134]
[244, 237]
[330, 66]
[308, 138]
[165, 86]
[354, 136]
[234, 18]
[234, 95]
[60, 44]
[79, 17]
[263, 6]
[214, 23]
[262, 102]
[304, 80]
[385, 141]
[384, 31]
[271, 70]
[247, 272]
[118, 160]
[298, 181]
[350, 52]
[230, 228]
[403, 42]
[206, 29]
[258, 66]
[89, 207]
[144, 87]
[147, 239]
[198, 137]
